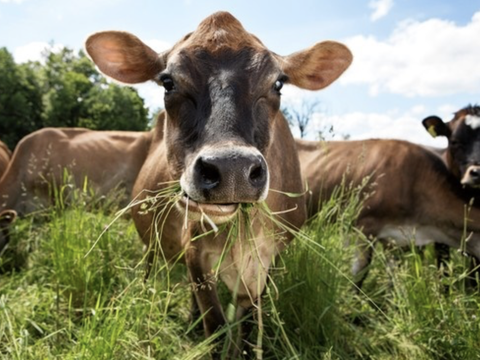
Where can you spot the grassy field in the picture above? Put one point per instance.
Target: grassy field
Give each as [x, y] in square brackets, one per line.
[66, 293]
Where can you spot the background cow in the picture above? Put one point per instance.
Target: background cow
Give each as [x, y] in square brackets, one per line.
[226, 143]
[105, 160]
[5, 155]
[461, 156]
[6, 217]
[411, 195]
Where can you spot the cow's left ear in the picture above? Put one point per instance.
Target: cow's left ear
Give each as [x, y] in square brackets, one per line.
[124, 57]
[318, 66]
[436, 127]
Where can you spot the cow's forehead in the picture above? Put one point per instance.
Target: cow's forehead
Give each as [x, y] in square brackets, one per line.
[218, 33]
[468, 117]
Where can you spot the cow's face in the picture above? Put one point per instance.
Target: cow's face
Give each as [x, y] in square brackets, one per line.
[220, 114]
[222, 99]
[463, 133]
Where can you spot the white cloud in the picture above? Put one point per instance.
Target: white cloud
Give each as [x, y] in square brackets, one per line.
[12, 1]
[391, 125]
[33, 51]
[430, 58]
[380, 8]
[158, 45]
[152, 94]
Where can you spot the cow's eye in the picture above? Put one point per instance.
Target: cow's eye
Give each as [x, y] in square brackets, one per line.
[279, 84]
[167, 83]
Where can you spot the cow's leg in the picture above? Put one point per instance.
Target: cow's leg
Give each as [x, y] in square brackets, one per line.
[442, 254]
[204, 289]
[195, 314]
[362, 259]
[205, 293]
[243, 347]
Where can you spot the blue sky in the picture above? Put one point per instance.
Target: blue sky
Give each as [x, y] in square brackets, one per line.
[411, 58]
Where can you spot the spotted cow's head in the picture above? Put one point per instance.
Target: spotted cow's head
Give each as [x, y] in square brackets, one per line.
[463, 134]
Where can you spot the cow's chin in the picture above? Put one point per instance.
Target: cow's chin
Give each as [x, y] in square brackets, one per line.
[217, 213]
[474, 186]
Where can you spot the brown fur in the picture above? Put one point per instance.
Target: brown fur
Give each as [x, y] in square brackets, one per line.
[107, 159]
[409, 186]
[5, 155]
[223, 102]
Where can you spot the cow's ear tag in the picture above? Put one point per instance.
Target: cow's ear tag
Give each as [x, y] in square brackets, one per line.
[431, 131]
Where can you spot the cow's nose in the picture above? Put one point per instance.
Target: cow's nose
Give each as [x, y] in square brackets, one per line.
[241, 176]
[474, 173]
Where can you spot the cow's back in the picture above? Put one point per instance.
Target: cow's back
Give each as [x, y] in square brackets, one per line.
[54, 156]
[400, 175]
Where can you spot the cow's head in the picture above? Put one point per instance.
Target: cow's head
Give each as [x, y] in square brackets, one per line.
[6, 218]
[222, 97]
[463, 134]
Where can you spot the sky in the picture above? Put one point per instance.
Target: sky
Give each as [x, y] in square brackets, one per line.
[412, 58]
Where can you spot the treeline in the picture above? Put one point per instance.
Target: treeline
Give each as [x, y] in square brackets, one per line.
[63, 90]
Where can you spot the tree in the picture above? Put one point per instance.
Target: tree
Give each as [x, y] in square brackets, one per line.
[300, 117]
[63, 91]
[114, 107]
[77, 95]
[20, 99]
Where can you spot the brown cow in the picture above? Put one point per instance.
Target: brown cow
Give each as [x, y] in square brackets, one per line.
[226, 143]
[412, 195]
[6, 217]
[5, 155]
[106, 159]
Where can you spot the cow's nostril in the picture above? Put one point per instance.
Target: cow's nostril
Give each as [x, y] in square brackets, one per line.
[209, 174]
[257, 175]
[475, 173]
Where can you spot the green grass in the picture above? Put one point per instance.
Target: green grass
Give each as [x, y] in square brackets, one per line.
[57, 302]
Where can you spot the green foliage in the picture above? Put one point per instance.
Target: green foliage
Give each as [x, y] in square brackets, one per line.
[65, 91]
[77, 295]
[116, 105]
[20, 99]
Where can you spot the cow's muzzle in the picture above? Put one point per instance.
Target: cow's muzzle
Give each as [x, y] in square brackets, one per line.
[471, 177]
[218, 180]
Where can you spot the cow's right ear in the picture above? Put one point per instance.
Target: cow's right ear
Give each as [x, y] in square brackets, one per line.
[7, 216]
[123, 57]
[436, 127]
[318, 66]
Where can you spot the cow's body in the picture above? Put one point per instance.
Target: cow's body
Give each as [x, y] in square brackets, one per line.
[5, 155]
[225, 142]
[103, 160]
[411, 194]
[6, 217]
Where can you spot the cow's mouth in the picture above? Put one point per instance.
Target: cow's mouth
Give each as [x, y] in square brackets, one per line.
[216, 213]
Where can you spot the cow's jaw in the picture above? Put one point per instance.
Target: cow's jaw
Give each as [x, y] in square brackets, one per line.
[216, 213]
